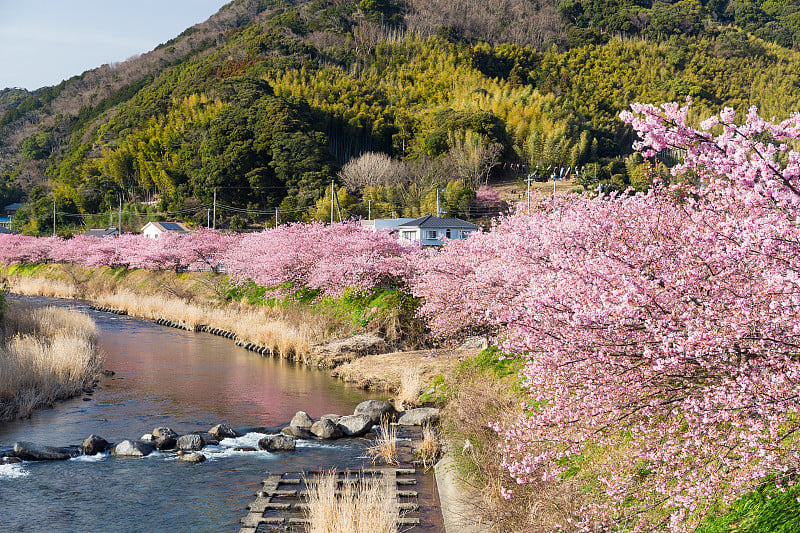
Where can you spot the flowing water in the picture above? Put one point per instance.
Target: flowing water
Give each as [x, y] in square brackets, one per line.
[186, 381]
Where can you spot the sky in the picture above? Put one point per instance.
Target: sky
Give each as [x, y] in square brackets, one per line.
[43, 42]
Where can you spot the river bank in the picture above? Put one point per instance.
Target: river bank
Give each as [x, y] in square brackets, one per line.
[362, 343]
[46, 355]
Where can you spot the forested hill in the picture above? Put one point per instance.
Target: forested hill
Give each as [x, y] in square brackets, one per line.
[266, 101]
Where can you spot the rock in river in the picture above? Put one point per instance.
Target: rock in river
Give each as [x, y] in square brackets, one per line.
[301, 420]
[375, 409]
[297, 432]
[192, 457]
[355, 425]
[191, 443]
[37, 452]
[325, 429]
[223, 431]
[277, 443]
[132, 448]
[164, 432]
[93, 445]
[165, 442]
[418, 417]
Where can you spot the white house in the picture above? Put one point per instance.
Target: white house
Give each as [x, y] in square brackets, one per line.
[433, 231]
[154, 230]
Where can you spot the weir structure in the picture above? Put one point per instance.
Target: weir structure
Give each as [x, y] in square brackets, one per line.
[280, 504]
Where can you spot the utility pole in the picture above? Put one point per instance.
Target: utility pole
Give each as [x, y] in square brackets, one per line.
[54, 215]
[119, 218]
[276, 217]
[530, 178]
[214, 226]
[438, 211]
[333, 196]
[369, 209]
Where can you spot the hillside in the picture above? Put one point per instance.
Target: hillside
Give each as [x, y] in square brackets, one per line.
[266, 100]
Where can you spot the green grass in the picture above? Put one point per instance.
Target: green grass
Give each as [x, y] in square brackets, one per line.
[767, 510]
[356, 309]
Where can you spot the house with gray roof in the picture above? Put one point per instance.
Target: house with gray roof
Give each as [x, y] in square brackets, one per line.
[385, 224]
[101, 233]
[154, 230]
[433, 231]
[7, 215]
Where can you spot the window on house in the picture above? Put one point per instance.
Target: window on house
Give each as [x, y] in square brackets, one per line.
[409, 235]
[447, 233]
[465, 234]
[430, 234]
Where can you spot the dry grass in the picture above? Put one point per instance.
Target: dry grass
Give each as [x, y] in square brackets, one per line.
[282, 330]
[536, 507]
[45, 287]
[289, 332]
[47, 354]
[385, 371]
[385, 447]
[364, 506]
[410, 388]
[429, 450]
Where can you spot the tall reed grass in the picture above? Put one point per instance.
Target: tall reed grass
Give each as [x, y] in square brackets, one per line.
[385, 446]
[410, 388]
[44, 287]
[289, 332]
[46, 355]
[364, 506]
[286, 331]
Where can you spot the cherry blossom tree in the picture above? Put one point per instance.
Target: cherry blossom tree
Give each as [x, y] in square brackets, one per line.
[662, 323]
[330, 258]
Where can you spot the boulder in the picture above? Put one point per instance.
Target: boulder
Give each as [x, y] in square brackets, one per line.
[298, 433]
[355, 425]
[223, 431]
[192, 457]
[9, 460]
[93, 445]
[37, 452]
[147, 437]
[164, 432]
[325, 429]
[301, 420]
[277, 443]
[165, 442]
[332, 418]
[132, 448]
[190, 443]
[418, 417]
[375, 409]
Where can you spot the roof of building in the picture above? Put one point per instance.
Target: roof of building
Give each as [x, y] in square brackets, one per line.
[107, 232]
[169, 226]
[5, 230]
[431, 221]
[13, 207]
[385, 223]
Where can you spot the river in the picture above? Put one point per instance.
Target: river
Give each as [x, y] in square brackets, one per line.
[186, 381]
